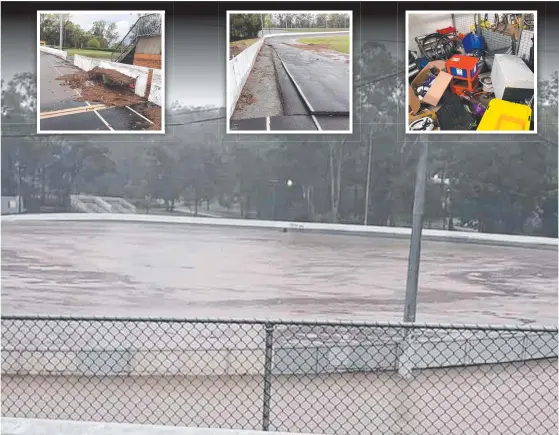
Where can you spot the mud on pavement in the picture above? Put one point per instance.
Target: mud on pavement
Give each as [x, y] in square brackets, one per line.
[111, 88]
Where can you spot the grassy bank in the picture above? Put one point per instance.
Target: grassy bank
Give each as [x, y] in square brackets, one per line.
[236, 47]
[338, 43]
[89, 53]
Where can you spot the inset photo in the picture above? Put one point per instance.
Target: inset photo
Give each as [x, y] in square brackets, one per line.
[100, 72]
[471, 72]
[289, 72]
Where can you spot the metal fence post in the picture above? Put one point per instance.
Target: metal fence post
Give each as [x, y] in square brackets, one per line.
[268, 354]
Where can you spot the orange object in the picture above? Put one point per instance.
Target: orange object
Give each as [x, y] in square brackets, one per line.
[461, 36]
[457, 87]
[464, 71]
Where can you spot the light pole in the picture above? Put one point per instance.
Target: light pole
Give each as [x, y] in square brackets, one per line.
[368, 187]
[61, 19]
[410, 304]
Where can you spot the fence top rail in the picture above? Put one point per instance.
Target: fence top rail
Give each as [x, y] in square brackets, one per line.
[279, 322]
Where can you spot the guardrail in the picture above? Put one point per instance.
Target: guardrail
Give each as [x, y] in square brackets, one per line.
[315, 377]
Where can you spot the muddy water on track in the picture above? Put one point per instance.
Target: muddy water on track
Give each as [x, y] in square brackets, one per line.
[176, 270]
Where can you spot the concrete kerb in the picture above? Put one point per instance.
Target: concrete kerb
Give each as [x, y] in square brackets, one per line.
[240, 66]
[54, 51]
[32, 426]
[325, 228]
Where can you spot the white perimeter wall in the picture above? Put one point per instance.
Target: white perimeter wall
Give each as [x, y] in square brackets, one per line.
[240, 66]
[423, 24]
[156, 92]
[239, 70]
[54, 51]
[140, 73]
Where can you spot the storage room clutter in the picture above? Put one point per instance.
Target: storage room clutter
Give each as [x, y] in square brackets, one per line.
[471, 72]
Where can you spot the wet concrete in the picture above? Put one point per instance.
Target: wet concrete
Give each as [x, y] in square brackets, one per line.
[107, 268]
[262, 86]
[504, 399]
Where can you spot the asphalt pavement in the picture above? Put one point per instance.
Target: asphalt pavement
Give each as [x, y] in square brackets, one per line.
[322, 77]
[55, 95]
[314, 88]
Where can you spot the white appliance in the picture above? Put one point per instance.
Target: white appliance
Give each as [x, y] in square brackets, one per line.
[512, 79]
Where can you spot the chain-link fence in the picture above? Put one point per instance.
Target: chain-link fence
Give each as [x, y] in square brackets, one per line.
[326, 378]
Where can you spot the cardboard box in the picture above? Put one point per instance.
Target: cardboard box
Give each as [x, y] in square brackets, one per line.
[436, 91]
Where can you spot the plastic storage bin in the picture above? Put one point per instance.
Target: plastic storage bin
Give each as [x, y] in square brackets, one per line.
[503, 115]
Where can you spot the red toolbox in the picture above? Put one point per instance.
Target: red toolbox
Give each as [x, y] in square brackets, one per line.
[464, 71]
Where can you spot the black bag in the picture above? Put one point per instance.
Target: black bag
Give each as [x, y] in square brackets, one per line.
[452, 115]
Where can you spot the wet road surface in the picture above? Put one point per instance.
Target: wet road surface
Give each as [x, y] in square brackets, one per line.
[312, 89]
[134, 269]
[54, 95]
[323, 77]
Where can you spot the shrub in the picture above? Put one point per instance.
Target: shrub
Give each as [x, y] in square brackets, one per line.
[93, 43]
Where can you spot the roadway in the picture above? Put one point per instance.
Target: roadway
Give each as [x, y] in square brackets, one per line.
[313, 85]
[54, 96]
[105, 268]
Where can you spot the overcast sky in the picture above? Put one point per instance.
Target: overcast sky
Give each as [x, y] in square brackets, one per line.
[123, 20]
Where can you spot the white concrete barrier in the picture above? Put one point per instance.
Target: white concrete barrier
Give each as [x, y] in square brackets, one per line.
[140, 73]
[240, 66]
[435, 235]
[156, 92]
[54, 51]
[238, 71]
[85, 63]
[32, 426]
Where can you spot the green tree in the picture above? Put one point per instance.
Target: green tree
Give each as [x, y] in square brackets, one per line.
[93, 43]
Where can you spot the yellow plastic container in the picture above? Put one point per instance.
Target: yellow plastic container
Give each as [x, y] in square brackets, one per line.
[503, 115]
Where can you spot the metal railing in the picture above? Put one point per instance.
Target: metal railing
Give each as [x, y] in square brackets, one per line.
[147, 25]
[313, 377]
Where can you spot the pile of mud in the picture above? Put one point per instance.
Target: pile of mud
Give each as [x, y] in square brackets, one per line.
[106, 86]
[109, 97]
[112, 89]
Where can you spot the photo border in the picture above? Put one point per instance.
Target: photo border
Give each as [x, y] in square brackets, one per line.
[406, 83]
[290, 132]
[110, 132]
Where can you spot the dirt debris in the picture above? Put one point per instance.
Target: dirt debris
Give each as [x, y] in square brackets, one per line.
[106, 86]
[109, 97]
[112, 89]
[153, 113]
[246, 98]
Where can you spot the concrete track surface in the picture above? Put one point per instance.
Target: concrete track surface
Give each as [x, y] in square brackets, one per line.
[54, 95]
[150, 269]
[313, 89]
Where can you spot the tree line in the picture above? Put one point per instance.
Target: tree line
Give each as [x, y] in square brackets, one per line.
[495, 184]
[245, 26]
[103, 34]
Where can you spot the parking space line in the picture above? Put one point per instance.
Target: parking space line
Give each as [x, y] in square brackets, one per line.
[140, 115]
[80, 95]
[316, 123]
